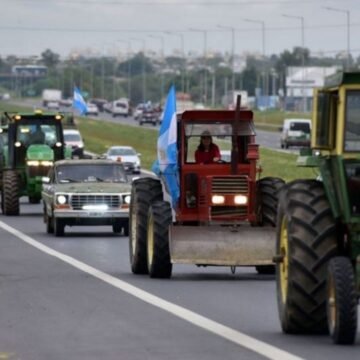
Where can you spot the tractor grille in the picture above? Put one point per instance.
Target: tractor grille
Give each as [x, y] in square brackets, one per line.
[230, 185]
[219, 211]
[78, 201]
[38, 171]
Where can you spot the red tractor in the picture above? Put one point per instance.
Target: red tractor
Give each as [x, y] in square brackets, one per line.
[224, 215]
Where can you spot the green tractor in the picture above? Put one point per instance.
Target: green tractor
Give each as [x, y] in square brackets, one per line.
[30, 145]
[318, 224]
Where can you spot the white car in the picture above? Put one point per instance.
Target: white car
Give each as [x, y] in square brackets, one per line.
[127, 156]
[53, 105]
[73, 139]
[92, 109]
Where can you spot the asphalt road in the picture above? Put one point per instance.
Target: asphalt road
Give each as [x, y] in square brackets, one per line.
[76, 298]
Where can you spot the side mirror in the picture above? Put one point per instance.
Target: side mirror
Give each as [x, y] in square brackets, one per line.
[45, 180]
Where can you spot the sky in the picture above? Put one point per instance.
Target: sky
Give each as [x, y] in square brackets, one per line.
[109, 27]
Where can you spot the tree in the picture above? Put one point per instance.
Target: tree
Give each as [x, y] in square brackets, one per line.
[49, 58]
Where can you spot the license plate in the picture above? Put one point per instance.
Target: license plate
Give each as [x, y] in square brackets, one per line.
[94, 214]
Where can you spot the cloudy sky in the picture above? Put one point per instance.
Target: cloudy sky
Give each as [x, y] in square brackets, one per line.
[28, 27]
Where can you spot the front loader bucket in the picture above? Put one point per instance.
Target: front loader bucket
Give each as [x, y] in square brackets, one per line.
[222, 245]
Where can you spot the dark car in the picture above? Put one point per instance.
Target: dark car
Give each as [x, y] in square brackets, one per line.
[99, 103]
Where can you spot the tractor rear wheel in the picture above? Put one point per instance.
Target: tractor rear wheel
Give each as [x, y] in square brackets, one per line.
[144, 192]
[11, 190]
[341, 301]
[158, 249]
[306, 239]
[268, 190]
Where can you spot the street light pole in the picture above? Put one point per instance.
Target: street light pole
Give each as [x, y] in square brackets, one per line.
[262, 23]
[204, 32]
[232, 29]
[129, 68]
[301, 18]
[143, 68]
[183, 56]
[347, 12]
[162, 60]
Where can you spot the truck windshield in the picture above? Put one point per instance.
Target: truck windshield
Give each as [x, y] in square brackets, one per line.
[300, 126]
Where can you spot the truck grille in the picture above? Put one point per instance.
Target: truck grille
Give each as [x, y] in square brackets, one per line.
[78, 201]
[230, 185]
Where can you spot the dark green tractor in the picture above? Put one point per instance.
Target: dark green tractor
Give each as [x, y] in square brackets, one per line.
[30, 145]
[318, 226]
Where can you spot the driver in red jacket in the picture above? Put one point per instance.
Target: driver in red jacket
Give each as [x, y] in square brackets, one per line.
[207, 151]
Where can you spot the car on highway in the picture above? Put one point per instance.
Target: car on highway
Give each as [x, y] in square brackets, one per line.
[86, 193]
[99, 103]
[127, 156]
[295, 132]
[91, 109]
[53, 105]
[66, 102]
[73, 139]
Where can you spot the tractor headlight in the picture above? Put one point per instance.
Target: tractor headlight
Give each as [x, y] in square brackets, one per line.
[240, 200]
[127, 199]
[33, 163]
[217, 199]
[46, 163]
[61, 199]
[17, 144]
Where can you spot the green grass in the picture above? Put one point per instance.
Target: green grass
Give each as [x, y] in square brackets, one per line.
[99, 135]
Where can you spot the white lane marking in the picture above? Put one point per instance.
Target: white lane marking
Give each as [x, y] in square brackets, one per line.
[248, 342]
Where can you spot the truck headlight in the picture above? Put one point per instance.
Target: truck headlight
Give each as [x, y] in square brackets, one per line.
[240, 200]
[61, 199]
[127, 199]
[217, 199]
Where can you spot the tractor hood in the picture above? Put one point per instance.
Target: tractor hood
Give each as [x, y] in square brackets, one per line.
[40, 152]
[94, 187]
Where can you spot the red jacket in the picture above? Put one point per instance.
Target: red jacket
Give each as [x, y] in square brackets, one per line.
[207, 157]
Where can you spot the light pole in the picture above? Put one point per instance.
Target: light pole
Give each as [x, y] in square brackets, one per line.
[143, 68]
[183, 56]
[347, 12]
[204, 32]
[129, 67]
[262, 23]
[232, 29]
[301, 18]
[161, 70]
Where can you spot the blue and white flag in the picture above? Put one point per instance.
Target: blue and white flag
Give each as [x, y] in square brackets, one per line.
[167, 152]
[79, 102]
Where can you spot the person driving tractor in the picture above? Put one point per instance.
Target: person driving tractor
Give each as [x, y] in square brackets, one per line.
[207, 152]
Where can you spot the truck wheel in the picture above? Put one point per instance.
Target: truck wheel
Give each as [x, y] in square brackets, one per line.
[306, 239]
[49, 223]
[341, 301]
[117, 227]
[158, 250]
[126, 228]
[59, 227]
[11, 193]
[144, 192]
[268, 190]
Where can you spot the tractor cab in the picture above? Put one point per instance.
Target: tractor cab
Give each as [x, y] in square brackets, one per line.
[226, 187]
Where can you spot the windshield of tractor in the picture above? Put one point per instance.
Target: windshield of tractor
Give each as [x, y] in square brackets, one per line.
[90, 173]
[37, 134]
[220, 135]
[352, 125]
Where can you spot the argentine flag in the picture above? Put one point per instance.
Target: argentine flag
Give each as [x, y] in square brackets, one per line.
[79, 102]
[166, 164]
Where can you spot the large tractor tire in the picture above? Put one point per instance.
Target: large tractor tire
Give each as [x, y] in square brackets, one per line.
[306, 239]
[11, 193]
[158, 247]
[144, 192]
[268, 191]
[341, 301]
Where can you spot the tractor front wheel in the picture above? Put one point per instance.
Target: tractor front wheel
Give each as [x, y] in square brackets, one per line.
[306, 239]
[11, 193]
[158, 250]
[144, 192]
[341, 301]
